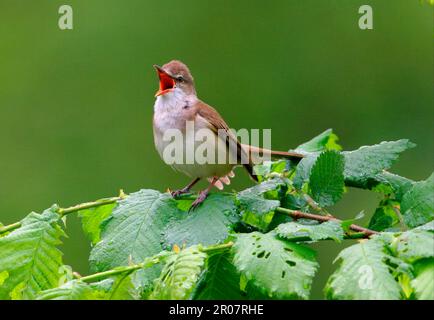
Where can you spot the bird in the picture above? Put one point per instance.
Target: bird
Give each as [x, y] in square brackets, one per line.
[176, 105]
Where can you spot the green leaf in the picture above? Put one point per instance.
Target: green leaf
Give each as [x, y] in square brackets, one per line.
[414, 245]
[295, 201]
[366, 162]
[417, 206]
[210, 223]
[385, 216]
[423, 283]
[221, 280]
[119, 287]
[3, 276]
[72, 290]
[92, 218]
[363, 274]
[346, 224]
[133, 232]
[384, 182]
[302, 173]
[258, 203]
[398, 185]
[327, 178]
[281, 269]
[332, 143]
[30, 257]
[315, 232]
[427, 226]
[266, 168]
[324, 141]
[179, 275]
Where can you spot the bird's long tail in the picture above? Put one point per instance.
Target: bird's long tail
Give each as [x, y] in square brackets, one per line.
[256, 152]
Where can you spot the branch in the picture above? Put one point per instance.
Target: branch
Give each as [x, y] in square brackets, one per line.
[88, 205]
[323, 218]
[292, 213]
[298, 214]
[64, 211]
[10, 227]
[148, 262]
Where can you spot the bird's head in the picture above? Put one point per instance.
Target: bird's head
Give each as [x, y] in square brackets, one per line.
[175, 76]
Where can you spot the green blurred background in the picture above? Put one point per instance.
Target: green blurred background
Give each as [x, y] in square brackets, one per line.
[76, 106]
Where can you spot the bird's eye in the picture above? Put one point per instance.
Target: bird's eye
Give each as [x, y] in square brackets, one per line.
[180, 79]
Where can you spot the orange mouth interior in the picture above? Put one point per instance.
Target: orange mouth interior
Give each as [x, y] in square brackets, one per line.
[167, 84]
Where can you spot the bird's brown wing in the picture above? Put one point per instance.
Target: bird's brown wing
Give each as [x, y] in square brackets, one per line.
[216, 122]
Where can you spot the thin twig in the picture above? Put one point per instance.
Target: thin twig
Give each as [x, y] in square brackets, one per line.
[88, 205]
[10, 227]
[64, 211]
[347, 236]
[314, 205]
[293, 213]
[148, 262]
[299, 214]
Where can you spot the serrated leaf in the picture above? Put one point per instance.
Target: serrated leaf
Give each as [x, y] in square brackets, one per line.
[386, 183]
[295, 202]
[385, 216]
[429, 226]
[363, 274]
[92, 218]
[327, 178]
[398, 185]
[266, 168]
[119, 287]
[255, 204]
[221, 280]
[210, 223]
[315, 232]
[423, 283]
[367, 161]
[123, 289]
[133, 232]
[72, 290]
[179, 275]
[30, 256]
[281, 269]
[303, 170]
[417, 206]
[415, 244]
[324, 141]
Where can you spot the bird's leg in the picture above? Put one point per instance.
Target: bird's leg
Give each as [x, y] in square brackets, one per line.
[203, 194]
[186, 189]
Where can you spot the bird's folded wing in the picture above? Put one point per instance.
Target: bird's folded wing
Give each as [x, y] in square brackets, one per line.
[215, 123]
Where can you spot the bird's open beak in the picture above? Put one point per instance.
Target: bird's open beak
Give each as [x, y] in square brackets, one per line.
[167, 83]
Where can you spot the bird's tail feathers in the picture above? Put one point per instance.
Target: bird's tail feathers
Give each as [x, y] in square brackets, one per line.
[255, 152]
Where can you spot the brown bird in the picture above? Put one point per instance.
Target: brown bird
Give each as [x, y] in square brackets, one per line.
[177, 106]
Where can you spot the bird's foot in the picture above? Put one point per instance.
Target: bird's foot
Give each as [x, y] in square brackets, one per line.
[200, 198]
[184, 190]
[177, 193]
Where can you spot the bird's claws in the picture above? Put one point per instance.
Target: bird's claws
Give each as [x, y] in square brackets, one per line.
[201, 198]
[178, 193]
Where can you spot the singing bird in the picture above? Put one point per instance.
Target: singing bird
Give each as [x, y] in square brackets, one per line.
[176, 104]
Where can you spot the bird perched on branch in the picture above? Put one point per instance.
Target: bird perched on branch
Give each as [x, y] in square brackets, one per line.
[177, 109]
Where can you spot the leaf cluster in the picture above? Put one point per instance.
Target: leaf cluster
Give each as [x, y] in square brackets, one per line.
[244, 245]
